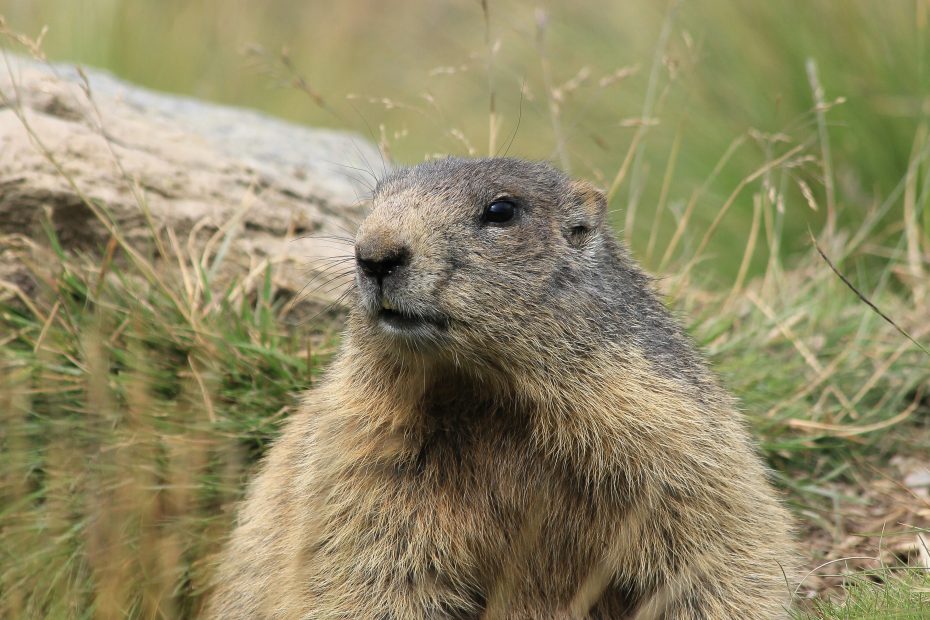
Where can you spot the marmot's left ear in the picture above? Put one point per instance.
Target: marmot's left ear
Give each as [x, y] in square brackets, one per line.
[591, 200]
[588, 205]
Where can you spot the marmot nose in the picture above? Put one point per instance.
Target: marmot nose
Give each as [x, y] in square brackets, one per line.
[380, 262]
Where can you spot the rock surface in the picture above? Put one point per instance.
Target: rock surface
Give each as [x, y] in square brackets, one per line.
[216, 176]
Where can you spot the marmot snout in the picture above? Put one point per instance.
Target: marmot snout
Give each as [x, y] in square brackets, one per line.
[515, 427]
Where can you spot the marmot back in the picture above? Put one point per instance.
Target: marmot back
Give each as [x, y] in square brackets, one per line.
[515, 427]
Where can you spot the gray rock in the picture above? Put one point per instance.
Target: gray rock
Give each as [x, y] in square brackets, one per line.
[228, 182]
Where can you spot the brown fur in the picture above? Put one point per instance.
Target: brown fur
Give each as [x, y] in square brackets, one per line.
[543, 442]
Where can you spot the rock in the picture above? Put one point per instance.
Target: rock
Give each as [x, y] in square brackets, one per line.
[215, 175]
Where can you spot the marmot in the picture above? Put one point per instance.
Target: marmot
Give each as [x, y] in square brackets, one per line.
[515, 427]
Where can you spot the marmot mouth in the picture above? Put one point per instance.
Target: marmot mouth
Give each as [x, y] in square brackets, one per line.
[403, 320]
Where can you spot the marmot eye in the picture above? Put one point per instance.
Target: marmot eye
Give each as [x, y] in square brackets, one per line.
[499, 211]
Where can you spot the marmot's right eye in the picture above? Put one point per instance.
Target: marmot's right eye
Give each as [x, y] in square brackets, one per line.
[499, 211]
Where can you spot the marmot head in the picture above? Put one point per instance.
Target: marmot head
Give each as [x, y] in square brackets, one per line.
[463, 256]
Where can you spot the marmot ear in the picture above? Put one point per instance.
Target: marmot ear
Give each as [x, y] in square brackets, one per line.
[585, 212]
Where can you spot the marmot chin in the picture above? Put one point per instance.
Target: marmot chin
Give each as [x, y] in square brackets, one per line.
[515, 427]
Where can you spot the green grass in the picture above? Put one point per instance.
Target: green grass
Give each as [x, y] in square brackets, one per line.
[134, 407]
[129, 427]
[878, 595]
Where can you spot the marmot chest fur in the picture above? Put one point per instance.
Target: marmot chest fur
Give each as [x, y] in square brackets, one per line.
[515, 427]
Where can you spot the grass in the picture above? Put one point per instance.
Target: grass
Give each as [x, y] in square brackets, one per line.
[128, 432]
[877, 595]
[134, 406]
[724, 68]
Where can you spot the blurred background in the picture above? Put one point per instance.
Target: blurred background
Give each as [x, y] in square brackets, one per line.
[682, 88]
